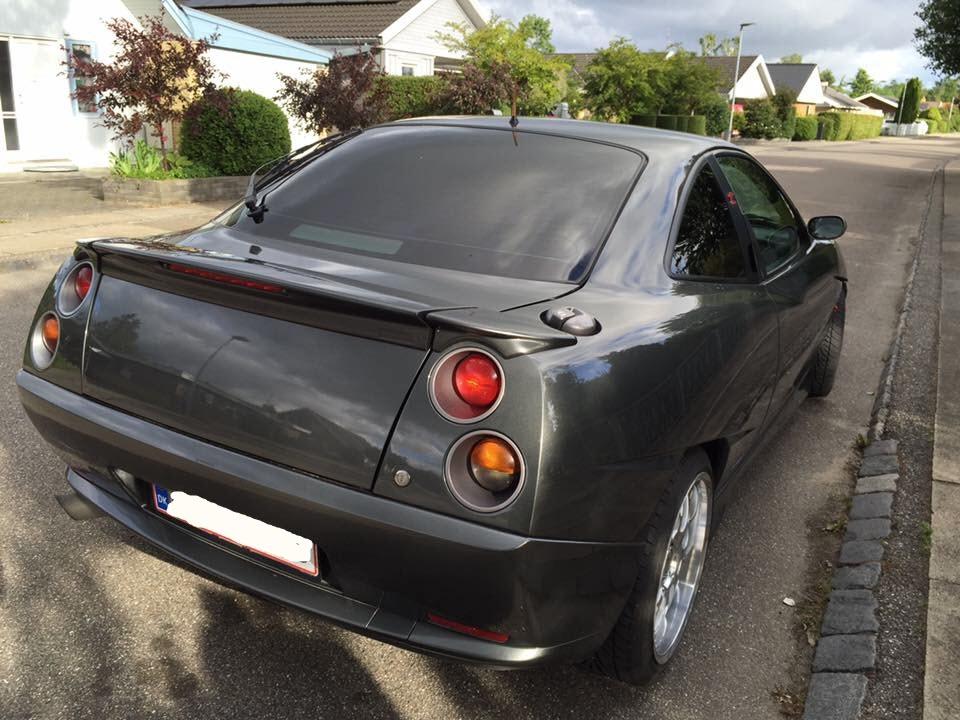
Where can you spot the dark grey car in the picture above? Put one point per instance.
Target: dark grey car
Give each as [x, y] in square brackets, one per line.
[472, 390]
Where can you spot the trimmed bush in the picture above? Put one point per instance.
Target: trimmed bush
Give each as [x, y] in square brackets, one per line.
[644, 120]
[233, 132]
[805, 129]
[911, 101]
[789, 123]
[739, 121]
[829, 125]
[849, 126]
[934, 119]
[716, 110]
[413, 96]
[683, 123]
[761, 120]
[667, 122]
[697, 125]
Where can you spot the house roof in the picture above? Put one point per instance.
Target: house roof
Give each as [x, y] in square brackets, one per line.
[837, 99]
[727, 66]
[883, 99]
[791, 75]
[312, 20]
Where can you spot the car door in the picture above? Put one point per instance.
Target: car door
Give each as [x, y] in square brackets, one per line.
[798, 274]
[733, 331]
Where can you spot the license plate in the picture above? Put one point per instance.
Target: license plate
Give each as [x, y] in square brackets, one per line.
[279, 545]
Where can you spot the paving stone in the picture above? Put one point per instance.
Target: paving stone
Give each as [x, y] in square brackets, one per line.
[872, 529]
[856, 576]
[850, 612]
[874, 505]
[861, 551]
[878, 483]
[835, 696]
[881, 447]
[845, 653]
[879, 465]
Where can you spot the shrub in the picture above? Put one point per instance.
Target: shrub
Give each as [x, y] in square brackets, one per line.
[806, 129]
[697, 125]
[830, 125]
[865, 126]
[667, 122]
[234, 132]
[761, 120]
[911, 101]
[644, 120]
[146, 163]
[717, 113]
[849, 126]
[739, 121]
[683, 123]
[934, 119]
[413, 96]
[789, 123]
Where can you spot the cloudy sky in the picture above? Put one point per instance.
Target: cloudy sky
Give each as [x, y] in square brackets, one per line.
[839, 34]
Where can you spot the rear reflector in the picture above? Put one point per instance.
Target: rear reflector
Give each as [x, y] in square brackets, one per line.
[487, 635]
[225, 279]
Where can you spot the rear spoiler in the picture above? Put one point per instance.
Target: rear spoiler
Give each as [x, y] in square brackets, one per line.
[318, 300]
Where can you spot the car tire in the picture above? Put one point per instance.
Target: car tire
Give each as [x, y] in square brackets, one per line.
[827, 359]
[631, 653]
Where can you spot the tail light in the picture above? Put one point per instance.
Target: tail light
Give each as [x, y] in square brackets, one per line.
[75, 288]
[484, 471]
[44, 340]
[225, 279]
[466, 385]
[488, 635]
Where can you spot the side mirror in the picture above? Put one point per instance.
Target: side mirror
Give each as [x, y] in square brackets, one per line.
[827, 227]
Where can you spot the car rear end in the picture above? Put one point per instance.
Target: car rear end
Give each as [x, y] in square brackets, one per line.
[341, 407]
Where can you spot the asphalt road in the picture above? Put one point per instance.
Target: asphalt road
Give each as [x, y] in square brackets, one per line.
[95, 624]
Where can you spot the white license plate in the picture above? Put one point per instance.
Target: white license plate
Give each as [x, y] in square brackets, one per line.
[275, 543]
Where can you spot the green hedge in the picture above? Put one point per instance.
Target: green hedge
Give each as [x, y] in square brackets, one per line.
[413, 96]
[683, 123]
[667, 122]
[697, 125]
[806, 129]
[789, 121]
[233, 132]
[644, 120]
[761, 120]
[849, 126]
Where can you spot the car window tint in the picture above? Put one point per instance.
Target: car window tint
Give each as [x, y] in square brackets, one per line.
[767, 211]
[520, 205]
[707, 244]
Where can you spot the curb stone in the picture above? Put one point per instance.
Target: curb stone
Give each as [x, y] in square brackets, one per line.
[847, 647]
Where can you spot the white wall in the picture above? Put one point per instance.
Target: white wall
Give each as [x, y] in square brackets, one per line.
[259, 74]
[812, 91]
[419, 36]
[751, 86]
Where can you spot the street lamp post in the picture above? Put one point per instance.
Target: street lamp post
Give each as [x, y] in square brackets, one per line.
[736, 79]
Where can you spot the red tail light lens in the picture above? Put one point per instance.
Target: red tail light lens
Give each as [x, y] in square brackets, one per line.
[225, 279]
[466, 385]
[82, 281]
[477, 380]
[488, 635]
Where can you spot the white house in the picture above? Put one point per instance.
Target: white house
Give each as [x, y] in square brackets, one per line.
[804, 80]
[404, 32]
[40, 120]
[754, 82]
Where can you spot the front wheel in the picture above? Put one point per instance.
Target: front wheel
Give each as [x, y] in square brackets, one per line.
[649, 629]
[827, 359]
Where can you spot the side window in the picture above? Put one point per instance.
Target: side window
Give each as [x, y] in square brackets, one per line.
[707, 244]
[766, 209]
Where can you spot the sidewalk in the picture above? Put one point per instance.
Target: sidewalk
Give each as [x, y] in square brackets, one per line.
[942, 686]
[24, 238]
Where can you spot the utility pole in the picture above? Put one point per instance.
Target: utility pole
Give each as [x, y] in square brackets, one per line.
[736, 79]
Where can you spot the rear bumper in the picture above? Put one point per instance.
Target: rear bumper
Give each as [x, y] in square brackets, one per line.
[385, 564]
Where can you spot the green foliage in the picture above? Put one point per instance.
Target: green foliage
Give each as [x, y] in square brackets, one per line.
[520, 47]
[784, 102]
[711, 44]
[936, 38]
[805, 129]
[789, 123]
[145, 162]
[410, 97]
[739, 121]
[697, 125]
[861, 84]
[667, 122]
[644, 120]
[827, 76]
[849, 126]
[892, 89]
[716, 109]
[932, 114]
[944, 89]
[911, 101]
[683, 123]
[234, 131]
[762, 120]
[621, 82]
[686, 83]
[476, 91]
[830, 124]
[792, 58]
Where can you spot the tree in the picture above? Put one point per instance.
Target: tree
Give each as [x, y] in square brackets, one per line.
[827, 76]
[711, 44]
[892, 88]
[911, 101]
[153, 78]
[936, 39]
[345, 95]
[686, 83]
[861, 84]
[476, 92]
[521, 48]
[621, 81]
[792, 58]
[945, 89]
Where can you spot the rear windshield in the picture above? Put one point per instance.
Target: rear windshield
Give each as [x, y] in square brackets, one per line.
[485, 201]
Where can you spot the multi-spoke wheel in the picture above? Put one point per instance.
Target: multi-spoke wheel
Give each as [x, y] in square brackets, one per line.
[652, 623]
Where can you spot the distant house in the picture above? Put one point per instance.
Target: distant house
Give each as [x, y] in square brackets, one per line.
[40, 122]
[887, 105]
[836, 101]
[804, 80]
[403, 32]
[754, 82]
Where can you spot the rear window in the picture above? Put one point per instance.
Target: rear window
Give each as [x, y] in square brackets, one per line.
[486, 201]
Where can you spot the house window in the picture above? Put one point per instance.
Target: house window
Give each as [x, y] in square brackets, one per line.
[81, 51]
[407, 70]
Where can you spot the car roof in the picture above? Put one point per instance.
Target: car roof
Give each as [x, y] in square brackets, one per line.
[652, 142]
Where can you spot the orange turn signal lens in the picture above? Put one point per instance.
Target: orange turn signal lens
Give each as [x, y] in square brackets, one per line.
[50, 331]
[494, 466]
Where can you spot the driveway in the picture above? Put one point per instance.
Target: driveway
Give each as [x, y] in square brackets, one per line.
[95, 624]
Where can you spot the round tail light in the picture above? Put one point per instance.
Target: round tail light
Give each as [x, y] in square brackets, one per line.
[75, 288]
[82, 281]
[466, 385]
[494, 466]
[484, 471]
[44, 340]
